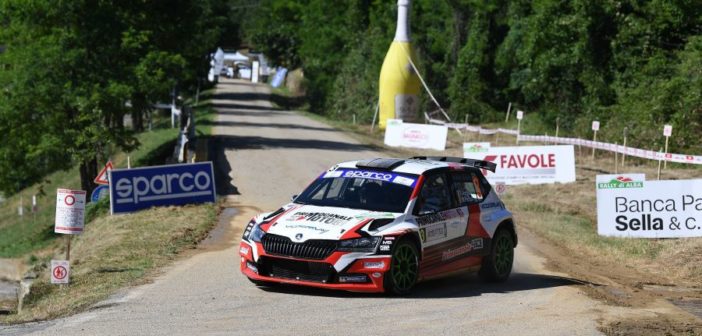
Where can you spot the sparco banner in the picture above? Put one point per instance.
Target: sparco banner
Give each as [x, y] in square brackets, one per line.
[529, 164]
[140, 188]
[630, 206]
[399, 134]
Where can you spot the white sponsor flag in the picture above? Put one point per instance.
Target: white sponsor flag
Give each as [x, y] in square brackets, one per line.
[399, 134]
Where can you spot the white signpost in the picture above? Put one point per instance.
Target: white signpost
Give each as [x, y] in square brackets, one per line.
[520, 116]
[70, 220]
[70, 211]
[629, 206]
[595, 128]
[60, 271]
[667, 132]
[529, 164]
[254, 71]
[399, 134]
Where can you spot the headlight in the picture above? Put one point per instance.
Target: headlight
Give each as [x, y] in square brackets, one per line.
[253, 232]
[256, 233]
[365, 244]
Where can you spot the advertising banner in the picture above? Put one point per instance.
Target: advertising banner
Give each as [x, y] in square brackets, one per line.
[399, 134]
[529, 164]
[141, 188]
[629, 206]
[70, 211]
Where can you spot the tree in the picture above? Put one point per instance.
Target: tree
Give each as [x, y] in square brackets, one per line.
[76, 68]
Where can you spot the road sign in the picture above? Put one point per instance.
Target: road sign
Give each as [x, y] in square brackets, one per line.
[500, 188]
[70, 210]
[102, 176]
[667, 130]
[99, 193]
[520, 115]
[60, 271]
[595, 125]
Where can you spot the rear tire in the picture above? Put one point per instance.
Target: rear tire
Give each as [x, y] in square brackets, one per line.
[497, 266]
[404, 269]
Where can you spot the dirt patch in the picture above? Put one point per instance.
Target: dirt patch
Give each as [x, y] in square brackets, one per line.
[659, 310]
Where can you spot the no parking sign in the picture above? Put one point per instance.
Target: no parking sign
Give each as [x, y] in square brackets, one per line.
[70, 210]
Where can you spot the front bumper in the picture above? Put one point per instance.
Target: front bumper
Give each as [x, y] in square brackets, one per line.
[362, 275]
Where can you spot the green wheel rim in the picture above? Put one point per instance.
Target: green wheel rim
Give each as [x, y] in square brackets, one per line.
[504, 254]
[404, 267]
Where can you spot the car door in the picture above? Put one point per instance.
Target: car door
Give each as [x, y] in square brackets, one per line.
[470, 191]
[442, 222]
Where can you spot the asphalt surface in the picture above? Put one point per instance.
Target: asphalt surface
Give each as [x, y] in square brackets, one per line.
[264, 155]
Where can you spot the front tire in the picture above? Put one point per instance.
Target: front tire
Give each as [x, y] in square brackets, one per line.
[404, 269]
[497, 266]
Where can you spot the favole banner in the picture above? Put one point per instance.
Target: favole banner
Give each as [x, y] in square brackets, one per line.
[141, 188]
[630, 206]
[528, 164]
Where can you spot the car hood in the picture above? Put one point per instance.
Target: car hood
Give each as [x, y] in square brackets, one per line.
[301, 223]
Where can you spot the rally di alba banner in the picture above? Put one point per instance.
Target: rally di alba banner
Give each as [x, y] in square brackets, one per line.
[630, 206]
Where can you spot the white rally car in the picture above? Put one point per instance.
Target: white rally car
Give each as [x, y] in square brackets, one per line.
[383, 225]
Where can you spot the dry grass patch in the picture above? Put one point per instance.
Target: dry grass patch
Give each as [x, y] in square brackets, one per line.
[113, 252]
[566, 215]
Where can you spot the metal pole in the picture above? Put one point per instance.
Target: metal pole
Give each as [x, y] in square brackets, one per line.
[594, 139]
[616, 154]
[375, 115]
[519, 129]
[665, 162]
[465, 122]
[68, 247]
[626, 129]
[509, 108]
[659, 168]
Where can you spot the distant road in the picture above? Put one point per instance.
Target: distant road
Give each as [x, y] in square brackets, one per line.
[263, 156]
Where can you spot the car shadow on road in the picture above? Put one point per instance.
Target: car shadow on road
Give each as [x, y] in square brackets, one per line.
[255, 113]
[452, 287]
[220, 106]
[285, 102]
[219, 144]
[259, 142]
[250, 124]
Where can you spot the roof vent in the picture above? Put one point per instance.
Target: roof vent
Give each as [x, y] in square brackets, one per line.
[385, 164]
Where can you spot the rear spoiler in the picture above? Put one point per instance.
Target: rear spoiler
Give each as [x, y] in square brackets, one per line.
[480, 164]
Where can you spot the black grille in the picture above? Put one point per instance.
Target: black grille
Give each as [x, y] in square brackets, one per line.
[296, 270]
[311, 249]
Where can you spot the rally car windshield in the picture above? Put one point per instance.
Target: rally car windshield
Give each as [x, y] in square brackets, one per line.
[360, 189]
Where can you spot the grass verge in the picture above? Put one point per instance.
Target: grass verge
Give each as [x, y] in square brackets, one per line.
[114, 251]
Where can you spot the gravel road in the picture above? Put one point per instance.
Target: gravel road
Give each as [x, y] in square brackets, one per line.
[264, 155]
